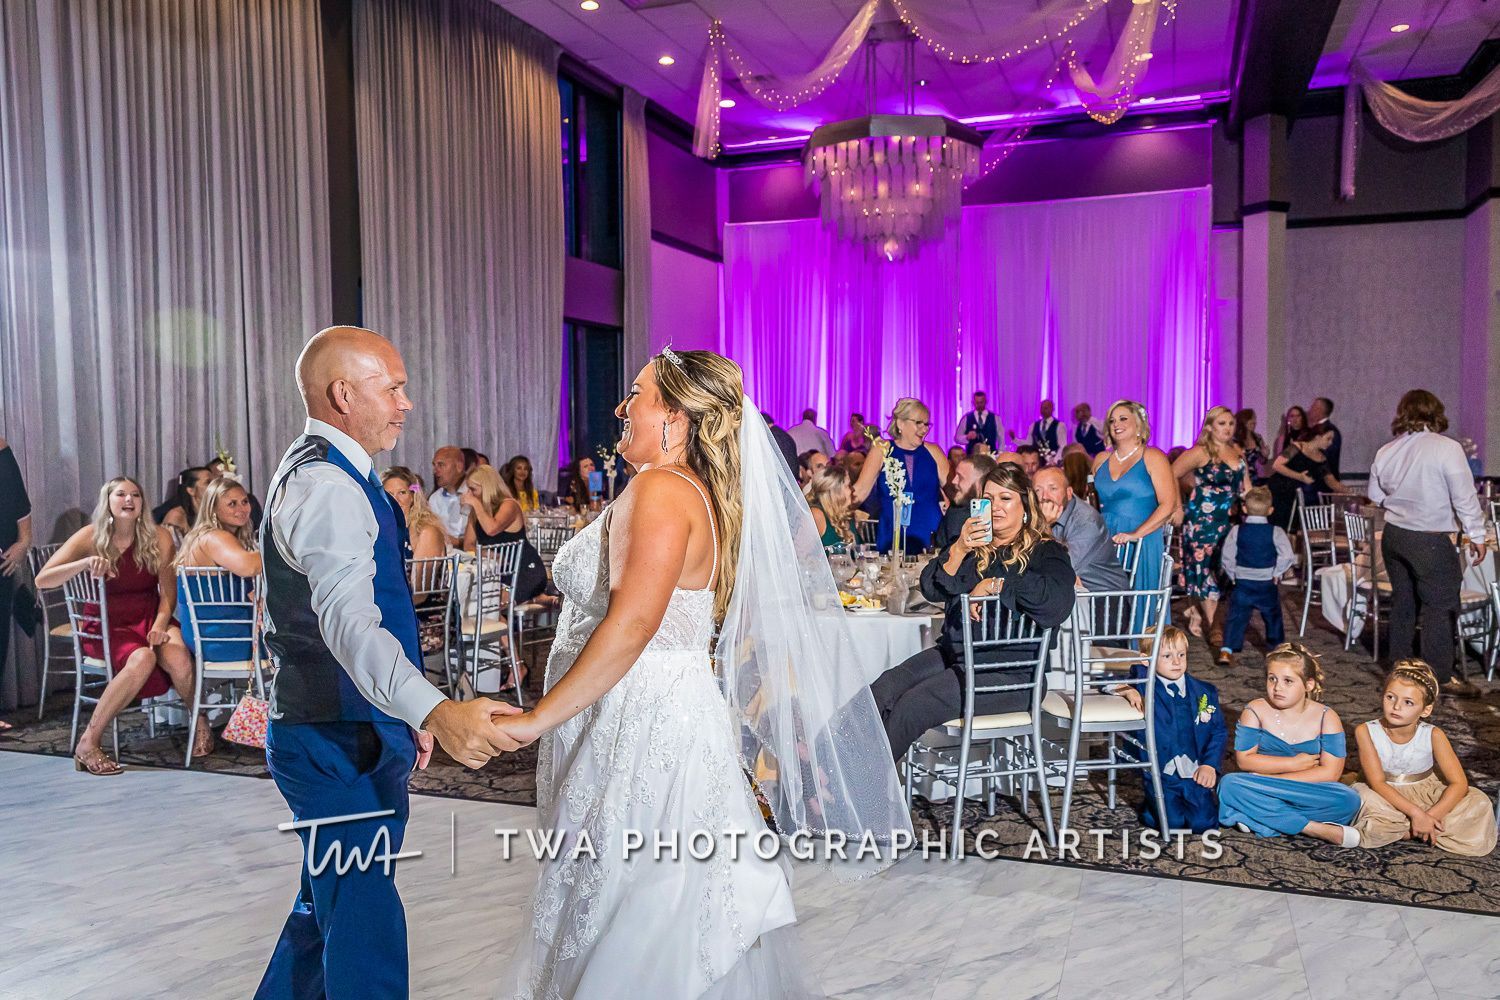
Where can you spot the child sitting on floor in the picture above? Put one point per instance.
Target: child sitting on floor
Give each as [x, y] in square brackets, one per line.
[1414, 784]
[1190, 735]
[1254, 555]
[1290, 750]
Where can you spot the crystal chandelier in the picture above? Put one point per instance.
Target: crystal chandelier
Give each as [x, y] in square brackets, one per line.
[892, 182]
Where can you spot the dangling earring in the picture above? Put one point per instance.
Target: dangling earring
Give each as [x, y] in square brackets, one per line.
[664, 446]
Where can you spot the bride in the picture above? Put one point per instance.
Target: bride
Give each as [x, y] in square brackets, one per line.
[648, 725]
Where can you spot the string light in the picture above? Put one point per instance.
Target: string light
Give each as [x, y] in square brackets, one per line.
[1083, 14]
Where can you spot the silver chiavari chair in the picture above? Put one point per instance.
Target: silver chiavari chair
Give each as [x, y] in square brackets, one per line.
[432, 595]
[548, 537]
[1476, 621]
[487, 630]
[88, 614]
[1018, 734]
[1108, 625]
[1129, 556]
[1495, 513]
[223, 621]
[57, 629]
[1319, 550]
[1494, 650]
[1365, 586]
[865, 531]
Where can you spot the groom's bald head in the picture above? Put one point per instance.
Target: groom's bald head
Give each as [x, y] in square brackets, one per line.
[355, 380]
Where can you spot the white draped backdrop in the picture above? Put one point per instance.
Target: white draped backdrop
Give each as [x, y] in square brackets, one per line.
[1079, 301]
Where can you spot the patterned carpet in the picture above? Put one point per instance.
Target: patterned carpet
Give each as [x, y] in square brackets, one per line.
[1408, 872]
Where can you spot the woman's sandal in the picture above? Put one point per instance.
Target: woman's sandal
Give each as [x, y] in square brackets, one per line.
[96, 763]
[204, 742]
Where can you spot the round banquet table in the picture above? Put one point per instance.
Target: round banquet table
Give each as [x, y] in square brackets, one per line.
[1334, 581]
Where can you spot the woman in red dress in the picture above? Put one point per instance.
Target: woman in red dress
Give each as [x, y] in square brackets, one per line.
[134, 556]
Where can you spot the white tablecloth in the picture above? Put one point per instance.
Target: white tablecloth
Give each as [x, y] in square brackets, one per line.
[1333, 588]
[882, 640]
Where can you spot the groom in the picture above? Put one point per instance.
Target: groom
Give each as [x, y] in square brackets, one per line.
[351, 711]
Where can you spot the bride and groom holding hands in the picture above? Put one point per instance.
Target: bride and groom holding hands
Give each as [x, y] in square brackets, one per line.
[700, 635]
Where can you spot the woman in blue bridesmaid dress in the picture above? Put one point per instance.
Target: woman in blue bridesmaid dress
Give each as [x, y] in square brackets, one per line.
[1136, 492]
[1290, 750]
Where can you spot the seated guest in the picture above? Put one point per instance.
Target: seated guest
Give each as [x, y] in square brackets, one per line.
[1303, 468]
[1190, 735]
[854, 439]
[495, 517]
[425, 536]
[830, 494]
[1081, 528]
[1078, 467]
[133, 554]
[1255, 555]
[577, 492]
[1415, 787]
[447, 489]
[979, 426]
[221, 537]
[808, 436]
[1290, 750]
[473, 460]
[1088, 433]
[1031, 574]
[1047, 435]
[784, 442]
[518, 476]
[180, 510]
[809, 464]
[1031, 458]
[967, 475]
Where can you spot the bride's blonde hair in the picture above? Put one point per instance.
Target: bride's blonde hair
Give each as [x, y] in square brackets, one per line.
[708, 389]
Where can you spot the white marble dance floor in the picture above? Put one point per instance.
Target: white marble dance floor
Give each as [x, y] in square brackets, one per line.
[171, 884]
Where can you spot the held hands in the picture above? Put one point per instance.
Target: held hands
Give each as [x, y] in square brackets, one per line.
[1424, 826]
[468, 733]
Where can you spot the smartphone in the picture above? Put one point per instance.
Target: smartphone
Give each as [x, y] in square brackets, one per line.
[596, 482]
[980, 508]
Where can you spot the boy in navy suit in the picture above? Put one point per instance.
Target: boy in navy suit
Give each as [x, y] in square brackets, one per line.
[1190, 736]
[1254, 556]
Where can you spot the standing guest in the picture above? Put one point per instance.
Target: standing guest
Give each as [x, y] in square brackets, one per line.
[1024, 566]
[784, 443]
[1077, 467]
[1081, 529]
[830, 494]
[955, 455]
[1318, 419]
[809, 464]
[1251, 443]
[426, 538]
[351, 713]
[133, 555]
[854, 439]
[1290, 750]
[1301, 469]
[15, 542]
[1293, 423]
[979, 425]
[1047, 434]
[1255, 555]
[518, 476]
[926, 471]
[853, 463]
[221, 537]
[1219, 477]
[1088, 433]
[447, 489]
[1423, 482]
[1031, 458]
[808, 436]
[579, 495]
[1190, 734]
[495, 518]
[967, 475]
[1415, 787]
[1137, 494]
[181, 508]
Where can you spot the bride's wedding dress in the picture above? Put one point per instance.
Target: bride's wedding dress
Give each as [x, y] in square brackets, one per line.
[657, 753]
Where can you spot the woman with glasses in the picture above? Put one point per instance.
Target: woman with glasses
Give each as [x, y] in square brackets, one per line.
[926, 472]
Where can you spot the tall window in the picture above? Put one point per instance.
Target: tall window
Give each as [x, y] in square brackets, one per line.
[591, 172]
[593, 385]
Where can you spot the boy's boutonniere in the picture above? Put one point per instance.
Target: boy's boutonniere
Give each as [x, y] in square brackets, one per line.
[1205, 710]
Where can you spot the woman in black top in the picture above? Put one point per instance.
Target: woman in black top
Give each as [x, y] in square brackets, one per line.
[15, 541]
[1301, 467]
[1029, 571]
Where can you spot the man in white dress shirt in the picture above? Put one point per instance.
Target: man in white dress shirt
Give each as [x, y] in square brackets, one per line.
[809, 436]
[447, 490]
[352, 712]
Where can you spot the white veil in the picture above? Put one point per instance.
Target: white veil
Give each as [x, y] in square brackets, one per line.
[809, 725]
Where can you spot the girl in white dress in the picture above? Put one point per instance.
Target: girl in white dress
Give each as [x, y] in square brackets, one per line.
[1414, 785]
[637, 733]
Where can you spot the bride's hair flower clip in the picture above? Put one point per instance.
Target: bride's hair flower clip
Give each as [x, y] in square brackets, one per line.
[671, 355]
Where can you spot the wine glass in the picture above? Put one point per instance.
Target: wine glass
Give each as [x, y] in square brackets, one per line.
[842, 566]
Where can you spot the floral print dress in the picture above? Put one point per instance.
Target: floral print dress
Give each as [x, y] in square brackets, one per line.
[1206, 522]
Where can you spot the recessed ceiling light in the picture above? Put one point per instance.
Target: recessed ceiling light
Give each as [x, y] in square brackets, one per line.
[921, 83]
[727, 102]
[1143, 57]
[1398, 28]
[590, 4]
[666, 60]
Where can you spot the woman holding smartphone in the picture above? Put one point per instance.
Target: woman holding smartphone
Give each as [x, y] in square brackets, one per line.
[1004, 550]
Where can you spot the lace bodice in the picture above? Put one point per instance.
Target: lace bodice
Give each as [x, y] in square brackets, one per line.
[1411, 757]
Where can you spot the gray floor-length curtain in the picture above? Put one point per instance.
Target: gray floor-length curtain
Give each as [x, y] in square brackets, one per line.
[461, 218]
[164, 213]
[636, 233]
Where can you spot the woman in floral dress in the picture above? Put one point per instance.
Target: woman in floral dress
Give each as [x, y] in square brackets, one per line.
[1220, 475]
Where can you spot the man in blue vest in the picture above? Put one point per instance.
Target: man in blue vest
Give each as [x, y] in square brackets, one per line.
[1048, 435]
[1254, 556]
[979, 426]
[351, 711]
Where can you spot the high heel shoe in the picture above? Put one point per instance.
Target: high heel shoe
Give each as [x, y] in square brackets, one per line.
[96, 763]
